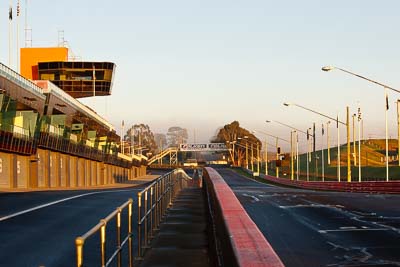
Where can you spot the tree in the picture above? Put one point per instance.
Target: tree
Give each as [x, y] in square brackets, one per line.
[142, 138]
[235, 136]
[176, 136]
[161, 141]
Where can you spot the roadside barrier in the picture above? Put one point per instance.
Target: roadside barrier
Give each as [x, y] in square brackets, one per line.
[101, 228]
[153, 203]
[380, 187]
[377, 187]
[238, 240]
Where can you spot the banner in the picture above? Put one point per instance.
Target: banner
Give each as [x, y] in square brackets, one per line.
[203, 147]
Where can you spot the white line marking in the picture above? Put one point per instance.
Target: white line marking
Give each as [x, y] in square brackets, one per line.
[253, 197]
[308, 206]
[352, 230]
[348, 227]
[55, 202]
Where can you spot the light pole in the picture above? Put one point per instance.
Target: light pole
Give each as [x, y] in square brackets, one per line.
[322, 153]
[297, 145]
[354, 142]
[252, 159]
[359, 145]
[276, 145]
[385, 87]
[398, 130]
[266, 156]
[347, 124]
[247, 156]
[291, 156]
[327, 142]
[232, 151]
[297, 156]
[247, 150]
[308, 154]
[258, 159]
[276, 138]
[258, 156]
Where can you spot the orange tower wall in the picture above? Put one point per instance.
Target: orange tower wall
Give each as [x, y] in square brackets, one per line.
[30, 57]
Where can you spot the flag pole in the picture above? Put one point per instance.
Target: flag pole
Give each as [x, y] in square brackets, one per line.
[9, 34]
[17, 44]
[94, 80]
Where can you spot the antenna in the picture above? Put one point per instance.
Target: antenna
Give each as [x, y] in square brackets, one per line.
[28, 31]
[61, 40]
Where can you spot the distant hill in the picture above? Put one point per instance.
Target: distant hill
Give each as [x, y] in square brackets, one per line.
[372, 152]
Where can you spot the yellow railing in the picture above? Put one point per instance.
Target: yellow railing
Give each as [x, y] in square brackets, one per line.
[153, 203]
[101, 228]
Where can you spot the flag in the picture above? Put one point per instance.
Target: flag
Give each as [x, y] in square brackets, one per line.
[123, 123]
[323, 129]
[18, 9]
[308, 135]
[387, 102]
[10, 13]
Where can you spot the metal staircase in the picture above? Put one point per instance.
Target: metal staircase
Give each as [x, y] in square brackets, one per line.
[172, 152]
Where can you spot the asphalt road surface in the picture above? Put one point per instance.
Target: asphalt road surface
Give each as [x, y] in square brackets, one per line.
[44, 234]
[314, 228]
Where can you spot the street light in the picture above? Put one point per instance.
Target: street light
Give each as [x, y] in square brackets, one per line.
[247, 153]
[267, 134]
[385, 87]
[258, 157]
[231, 150]
[354, 141]
[327, 141]
[347, 124]
[398, 129]
[297, 145]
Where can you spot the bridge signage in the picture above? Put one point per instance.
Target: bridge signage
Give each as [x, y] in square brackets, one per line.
[217, 146]
[203, 147]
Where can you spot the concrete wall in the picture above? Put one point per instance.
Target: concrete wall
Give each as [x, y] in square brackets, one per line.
[50, 169]
[5, 170]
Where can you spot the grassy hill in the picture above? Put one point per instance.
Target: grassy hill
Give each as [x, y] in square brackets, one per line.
[372, 162]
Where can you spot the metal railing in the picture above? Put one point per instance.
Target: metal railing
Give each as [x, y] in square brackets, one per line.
[12, 75]
[17, 139]
[101, 228]
[153, 203]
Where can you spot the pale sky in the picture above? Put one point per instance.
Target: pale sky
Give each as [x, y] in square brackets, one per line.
[200, 64]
